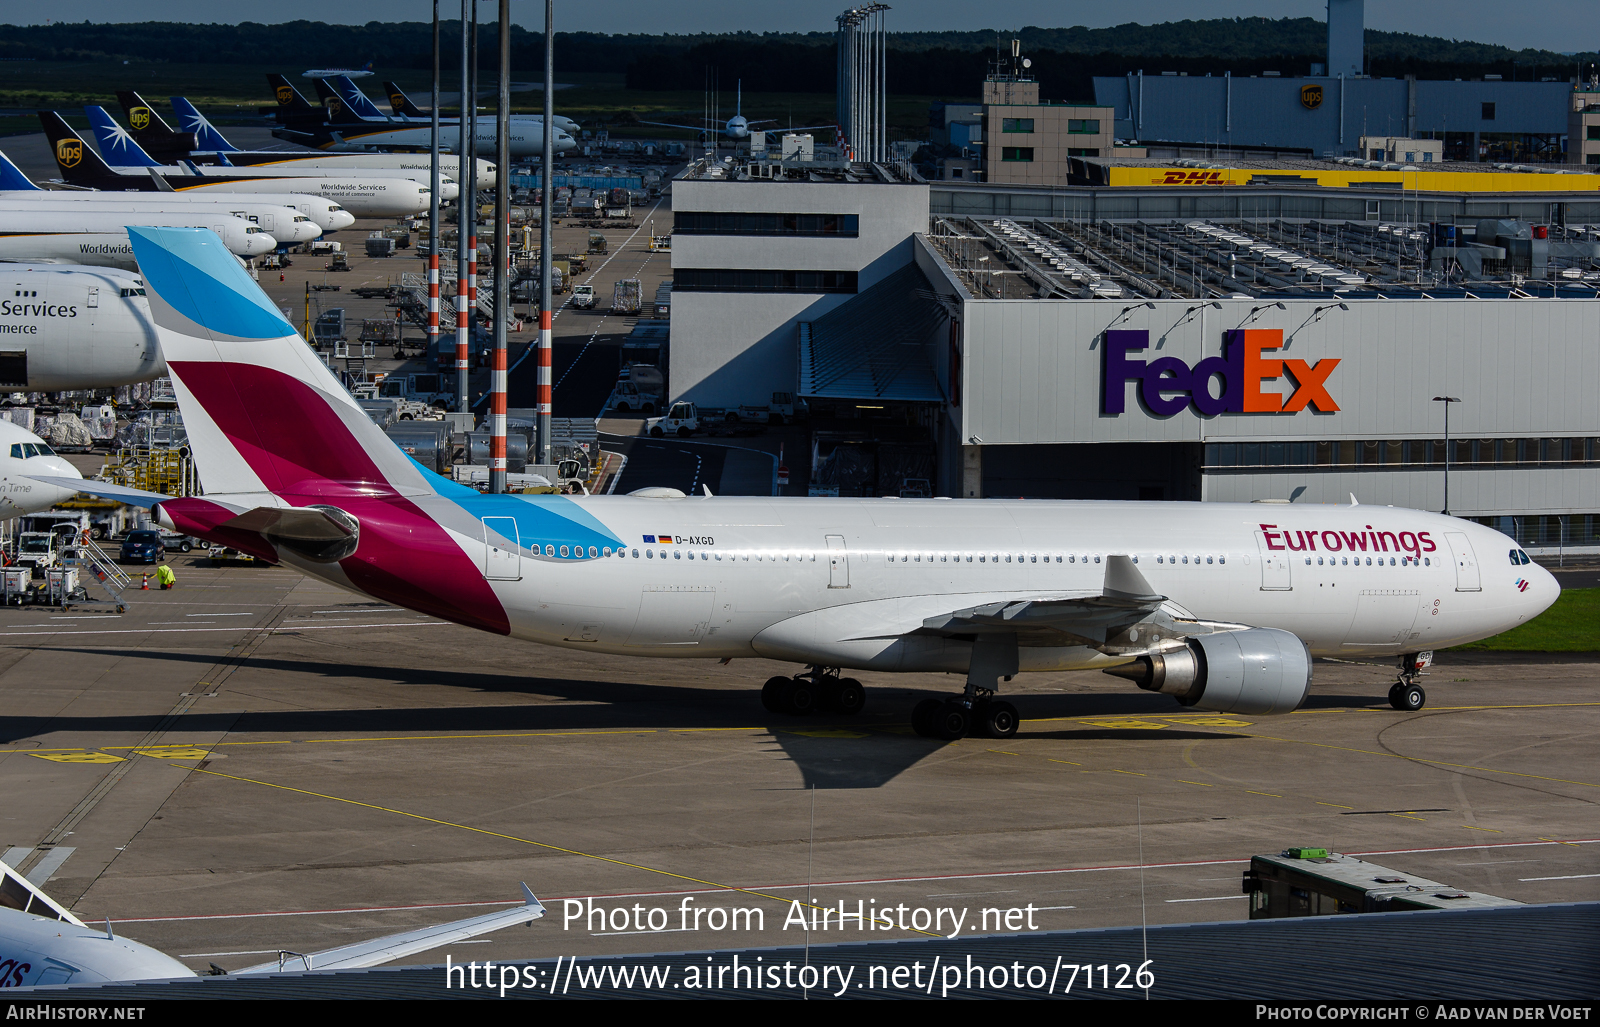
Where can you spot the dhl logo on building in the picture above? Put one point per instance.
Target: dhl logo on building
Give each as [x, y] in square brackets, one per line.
[1194, 178]
[69, 152]
[139, 117]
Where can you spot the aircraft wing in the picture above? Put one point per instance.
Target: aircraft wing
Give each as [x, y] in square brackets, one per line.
[104, 490]
[1126, 618]
[707, 127]
[395, 946]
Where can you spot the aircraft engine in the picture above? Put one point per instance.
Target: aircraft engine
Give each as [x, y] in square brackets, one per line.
[1259, 671]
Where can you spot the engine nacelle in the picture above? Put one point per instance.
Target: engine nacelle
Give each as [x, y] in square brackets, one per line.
[1258, 671]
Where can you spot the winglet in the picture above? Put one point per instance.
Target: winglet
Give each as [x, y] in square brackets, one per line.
[162, 185]
[532, 903]
[1353, 500]
[1123, 581]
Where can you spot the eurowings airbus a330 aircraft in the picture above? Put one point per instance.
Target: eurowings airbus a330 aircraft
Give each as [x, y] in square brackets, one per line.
[1221, 606]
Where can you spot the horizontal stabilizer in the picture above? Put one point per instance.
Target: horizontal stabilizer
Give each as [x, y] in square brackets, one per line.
[103, 489]
[408, 943]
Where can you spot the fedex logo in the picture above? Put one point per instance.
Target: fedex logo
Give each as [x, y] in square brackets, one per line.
[1167, 385]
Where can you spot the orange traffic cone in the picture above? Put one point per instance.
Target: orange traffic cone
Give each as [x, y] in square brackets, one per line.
[145, 584]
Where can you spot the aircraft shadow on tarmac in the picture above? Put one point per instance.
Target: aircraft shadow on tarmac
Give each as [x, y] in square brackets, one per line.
[831, 752]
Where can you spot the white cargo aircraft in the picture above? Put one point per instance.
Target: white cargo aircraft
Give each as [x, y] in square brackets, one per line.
[47, 233]
[1221, 606]
[42, 943]
[65, 328]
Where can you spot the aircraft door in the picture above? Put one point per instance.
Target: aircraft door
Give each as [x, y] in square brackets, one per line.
[1467, 579]
[1274, 566]
[838, 562]
[501, 562]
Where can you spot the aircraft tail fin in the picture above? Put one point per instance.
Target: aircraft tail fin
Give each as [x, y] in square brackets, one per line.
[358, 102]
[264, 414]
[339, 112]
[205, 133]
[151, 132]
[401, 104]
[78, 162]
[11, 177]
[290, 102]
[116, 144]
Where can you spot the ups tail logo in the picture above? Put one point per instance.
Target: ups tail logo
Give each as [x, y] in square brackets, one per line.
[69, 152]
[139, 117]
[1311, 97]
[332, 104]
[285, 95]
[396, 101]
[1192, 178]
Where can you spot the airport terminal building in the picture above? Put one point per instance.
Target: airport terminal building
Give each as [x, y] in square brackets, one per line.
[1292, 354]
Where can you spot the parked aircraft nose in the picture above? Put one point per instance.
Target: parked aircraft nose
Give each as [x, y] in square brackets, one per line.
[340, 218]
[565, 142]
[257, 243]
[1542, 591]
[448, 190]
[303, 231]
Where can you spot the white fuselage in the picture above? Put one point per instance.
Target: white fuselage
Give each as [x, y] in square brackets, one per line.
[526, 138]
[414, 164]
[39, 951]
[283, 223]
[48, 234]
[178, 177]
[361, 197]
[22, 454]
[848, 583]
[75, 328]
[325, 214]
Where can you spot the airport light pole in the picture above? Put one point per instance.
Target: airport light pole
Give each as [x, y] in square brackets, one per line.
[1446, 400]
[463, 403]
[547, 166]
[469, 186]
[433, 206]
[502, 251]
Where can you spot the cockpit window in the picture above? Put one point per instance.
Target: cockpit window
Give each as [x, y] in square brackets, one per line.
[16, 451]
[1519, 558]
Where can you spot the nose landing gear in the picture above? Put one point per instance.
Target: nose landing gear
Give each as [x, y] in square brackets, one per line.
[817, 690]
[1406, 693]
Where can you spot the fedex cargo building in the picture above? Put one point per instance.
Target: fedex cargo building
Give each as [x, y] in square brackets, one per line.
[1074, 370]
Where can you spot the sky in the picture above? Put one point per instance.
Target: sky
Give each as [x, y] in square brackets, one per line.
[1559, 25]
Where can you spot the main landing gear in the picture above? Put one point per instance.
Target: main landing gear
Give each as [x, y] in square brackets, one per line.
[1406, 693]
[817, 690]
[974, 712]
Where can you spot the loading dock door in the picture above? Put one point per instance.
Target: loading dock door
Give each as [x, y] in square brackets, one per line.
[838, 562]
[1467, 579]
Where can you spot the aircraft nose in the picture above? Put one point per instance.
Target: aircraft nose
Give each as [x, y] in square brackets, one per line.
[56, 467]
[343, 219]
[1544, 590]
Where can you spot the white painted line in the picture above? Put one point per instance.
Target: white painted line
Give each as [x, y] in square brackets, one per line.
[97, 616]
[1569, 877]
[48, 864]
[1211, 898]
[202, 955]
[219, 615]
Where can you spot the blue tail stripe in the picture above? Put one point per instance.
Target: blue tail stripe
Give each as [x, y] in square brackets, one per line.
[194, 273]
[11, 177]
[116, 145]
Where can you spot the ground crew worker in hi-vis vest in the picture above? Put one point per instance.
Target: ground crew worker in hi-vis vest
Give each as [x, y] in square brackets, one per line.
[164, 576]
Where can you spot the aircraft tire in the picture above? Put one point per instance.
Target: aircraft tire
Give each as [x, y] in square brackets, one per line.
[996, 720]
[772, 694]
[799, 697]
[922, 716]
[849, 698]
[1409, 698]
[951, 721]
